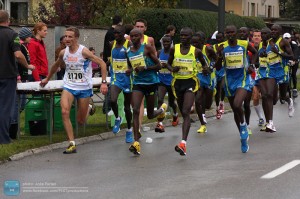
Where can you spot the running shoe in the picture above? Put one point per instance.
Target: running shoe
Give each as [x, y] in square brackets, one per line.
[291, 108]
[261, 122]
[264, 127]
[270, 127]
[135, 148]
[175, 121]
[159, 128]
[71, 149]
[204, 118]
[221, 108]
[244, 138]
[116, 128]
[181, 148]
[163, 114]
[249, 131]
[92, 106]
[129, 137]
[295, 93]
[218, 115]
[202, 129]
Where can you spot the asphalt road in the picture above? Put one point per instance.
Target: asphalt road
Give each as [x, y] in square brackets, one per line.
[214, 167]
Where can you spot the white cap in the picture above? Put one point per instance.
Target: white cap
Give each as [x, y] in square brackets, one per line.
[286, 35]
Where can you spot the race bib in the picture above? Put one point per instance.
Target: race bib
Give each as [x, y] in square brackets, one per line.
[234, 60]
[137, 61]
[263, 62]
[185, 65]
[119, 65]
[75, 75]
[273, 58]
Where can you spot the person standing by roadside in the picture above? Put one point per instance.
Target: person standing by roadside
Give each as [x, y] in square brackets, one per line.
[61, 70]
[170, 31]
[109, 37]
[25, 35]
[10, 52]
[78, 82]
[37, 51]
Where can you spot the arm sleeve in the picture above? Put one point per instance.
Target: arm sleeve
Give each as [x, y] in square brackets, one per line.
[15, 45]
[33, 61]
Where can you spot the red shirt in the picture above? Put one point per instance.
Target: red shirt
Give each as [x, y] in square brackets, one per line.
[38, 58]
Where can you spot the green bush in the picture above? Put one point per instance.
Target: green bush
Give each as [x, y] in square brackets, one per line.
[198, 20]
[254, 22]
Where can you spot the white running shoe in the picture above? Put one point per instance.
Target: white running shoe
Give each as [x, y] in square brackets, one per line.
[270, 127]
[291, 108]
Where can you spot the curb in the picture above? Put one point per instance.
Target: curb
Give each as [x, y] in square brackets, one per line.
[99, 137]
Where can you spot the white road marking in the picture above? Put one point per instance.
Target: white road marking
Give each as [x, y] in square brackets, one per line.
[281, 170]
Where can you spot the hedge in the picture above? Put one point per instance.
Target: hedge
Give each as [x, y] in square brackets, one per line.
[159, 19]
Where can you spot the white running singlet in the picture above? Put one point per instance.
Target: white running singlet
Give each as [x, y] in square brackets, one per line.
[78, 75]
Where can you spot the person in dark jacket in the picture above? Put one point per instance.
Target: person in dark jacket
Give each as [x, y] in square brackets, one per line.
[10, 53]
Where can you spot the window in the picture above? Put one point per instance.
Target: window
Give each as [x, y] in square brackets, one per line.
[19, 12]
[269, 11]
[253, 9]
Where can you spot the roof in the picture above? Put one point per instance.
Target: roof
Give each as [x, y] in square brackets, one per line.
[199, 5]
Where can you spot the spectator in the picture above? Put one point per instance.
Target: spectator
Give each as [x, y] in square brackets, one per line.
[37, 51]
[109, 36]
[61, 70]
[128, 28]
[95, 66]
[169, 31]
[10, 53]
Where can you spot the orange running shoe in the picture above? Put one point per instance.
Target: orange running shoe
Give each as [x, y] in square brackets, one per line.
[159, 128]
[175, 121]
[181, 148]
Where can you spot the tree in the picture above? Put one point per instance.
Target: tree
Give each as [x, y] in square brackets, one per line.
[93, 12]
[289, 8]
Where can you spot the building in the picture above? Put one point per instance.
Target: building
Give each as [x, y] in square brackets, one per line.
[257, 8]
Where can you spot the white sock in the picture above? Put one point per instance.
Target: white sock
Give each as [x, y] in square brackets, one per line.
[129, 129]
[175, 115]
[160, 123]
[243, 124]
[72, 142]
[270, 121]
[203, 115]
[118, 118]
[183, 141]
[258, 111]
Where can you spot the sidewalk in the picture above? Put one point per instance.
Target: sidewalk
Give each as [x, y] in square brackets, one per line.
[107, 135]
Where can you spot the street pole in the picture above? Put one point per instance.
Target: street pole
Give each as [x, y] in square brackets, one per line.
[221, 16]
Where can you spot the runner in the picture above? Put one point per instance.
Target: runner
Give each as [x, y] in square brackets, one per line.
[143, 61]
[182, 62]
[77, 81]
[262, 73]
[256, 94]
[165, 78]
[234, 54]
[244, 34]
[278, 53]
[120, 80]
[220, 94]
[207, 78]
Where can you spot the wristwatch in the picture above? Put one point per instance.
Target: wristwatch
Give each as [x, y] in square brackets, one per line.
[104, 81]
